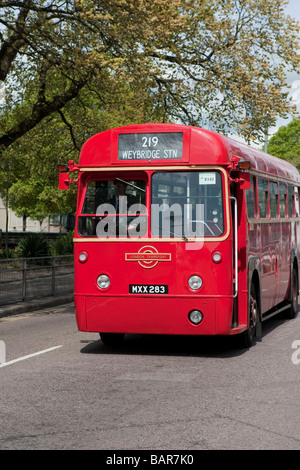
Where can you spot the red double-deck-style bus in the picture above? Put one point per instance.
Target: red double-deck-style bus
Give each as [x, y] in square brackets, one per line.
[182, 231]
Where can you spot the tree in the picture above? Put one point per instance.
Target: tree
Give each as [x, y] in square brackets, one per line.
[34, 179]
[67, 65]
[32, 198]
[223, 61]
[54, 49]
[285, 143]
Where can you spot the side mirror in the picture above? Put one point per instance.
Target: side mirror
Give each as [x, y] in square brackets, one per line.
[64, 181]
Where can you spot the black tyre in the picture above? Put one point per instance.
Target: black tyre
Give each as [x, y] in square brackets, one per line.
[112, 338]
[248, 337]
[293, 297]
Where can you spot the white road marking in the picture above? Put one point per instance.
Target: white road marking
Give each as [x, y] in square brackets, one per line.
[29, 356]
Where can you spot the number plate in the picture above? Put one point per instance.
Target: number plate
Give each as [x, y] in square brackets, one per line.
[148, 289]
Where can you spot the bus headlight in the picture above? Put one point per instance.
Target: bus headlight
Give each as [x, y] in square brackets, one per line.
[195, 282]
[103, 281]
[195, 317]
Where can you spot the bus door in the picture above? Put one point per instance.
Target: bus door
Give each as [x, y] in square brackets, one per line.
[242, 198]
[234, 225]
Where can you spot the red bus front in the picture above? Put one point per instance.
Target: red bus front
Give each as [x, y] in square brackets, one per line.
[154, 242]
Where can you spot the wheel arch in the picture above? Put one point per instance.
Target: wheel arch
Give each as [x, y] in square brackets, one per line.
[294, 265]
[294, 260]
[254, 277]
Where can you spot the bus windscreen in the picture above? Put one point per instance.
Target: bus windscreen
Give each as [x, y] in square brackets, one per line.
[187, 204]
[182, 205]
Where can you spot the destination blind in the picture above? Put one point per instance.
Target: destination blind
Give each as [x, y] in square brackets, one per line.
[150, 146]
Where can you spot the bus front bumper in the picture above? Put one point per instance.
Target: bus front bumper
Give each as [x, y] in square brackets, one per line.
[153, 315]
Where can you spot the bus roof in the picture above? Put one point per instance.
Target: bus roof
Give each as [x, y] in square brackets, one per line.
[199, 147]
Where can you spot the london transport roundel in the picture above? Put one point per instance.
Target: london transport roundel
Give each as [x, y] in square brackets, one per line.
[148, 256]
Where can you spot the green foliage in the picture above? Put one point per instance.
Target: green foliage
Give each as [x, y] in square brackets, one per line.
[285, 143]
[33, 245]
[34, 157]
[6, 253]
[217, 61]
[64, 244]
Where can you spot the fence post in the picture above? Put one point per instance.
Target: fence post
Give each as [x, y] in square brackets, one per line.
[24, 272]
[53, 275]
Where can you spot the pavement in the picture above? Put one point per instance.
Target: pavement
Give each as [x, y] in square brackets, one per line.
[35, 304]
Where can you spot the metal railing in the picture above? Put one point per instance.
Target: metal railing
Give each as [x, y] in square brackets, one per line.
[31, 278]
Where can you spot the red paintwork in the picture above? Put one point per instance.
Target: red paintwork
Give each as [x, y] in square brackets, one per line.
[200, 146]
[115, 310]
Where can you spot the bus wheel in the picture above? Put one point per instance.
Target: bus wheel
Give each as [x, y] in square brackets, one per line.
[111, 338]
[247, 338]
[293, 310]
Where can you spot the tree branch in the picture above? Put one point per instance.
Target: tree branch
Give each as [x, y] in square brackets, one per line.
[13, 44]
[70, 128]
[40, 110]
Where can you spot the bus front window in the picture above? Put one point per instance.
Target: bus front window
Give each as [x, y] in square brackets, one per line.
[114, 208]
[187, 204]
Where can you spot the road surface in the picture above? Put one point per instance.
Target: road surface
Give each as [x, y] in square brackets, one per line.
[64, 389]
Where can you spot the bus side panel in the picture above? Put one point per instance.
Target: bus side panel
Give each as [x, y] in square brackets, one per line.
[224, 310]
[79, 302]
[284, 266]
[268, 278]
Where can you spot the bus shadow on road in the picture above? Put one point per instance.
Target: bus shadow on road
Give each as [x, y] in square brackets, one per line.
[273, 323]
[168, 345]
[177, 345]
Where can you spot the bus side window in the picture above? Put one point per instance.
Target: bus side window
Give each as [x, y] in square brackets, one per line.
[262, 191]
[296, 202]
[273, 192]
[250, 198]
[282, 200]
[291, 201]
